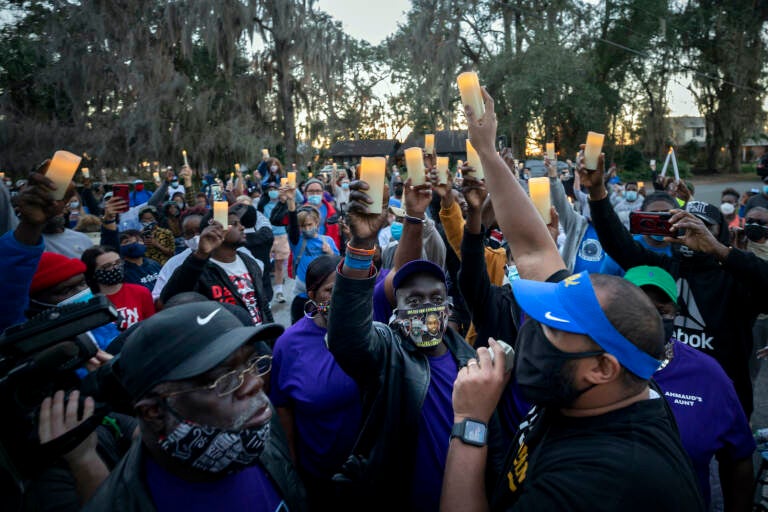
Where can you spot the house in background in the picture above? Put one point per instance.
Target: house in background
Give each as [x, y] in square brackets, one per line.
[450, 143]
[353, 150]
[753, 148]
[686, 129]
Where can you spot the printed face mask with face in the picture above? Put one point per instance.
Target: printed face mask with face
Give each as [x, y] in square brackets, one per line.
[425, 325]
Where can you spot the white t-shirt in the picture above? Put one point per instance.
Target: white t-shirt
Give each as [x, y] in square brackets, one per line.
[241, 279]
[69, 243]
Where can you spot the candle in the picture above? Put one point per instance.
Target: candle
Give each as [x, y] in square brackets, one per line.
[551, 151]
[86, 172]
[2, 175]
[156, 175]
[265, 153]
[474, 161]
[184, 154]
[237, 167]
[291, 178]
[459, 164]
[414, 161]
[469, 88]
[538, 188]
[593, 150]
[640, 185]
[442, 170]
[283, 182]
[310, 174]
[221, 213]
[61, 169]
[372, 171]
[335, 167]
[429, 144]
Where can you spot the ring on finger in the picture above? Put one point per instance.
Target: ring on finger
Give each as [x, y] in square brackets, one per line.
[471, 362]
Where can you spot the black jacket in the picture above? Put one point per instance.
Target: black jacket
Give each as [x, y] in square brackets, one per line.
[718, 302]
[125, 490]
[393, 376]
[207, 278]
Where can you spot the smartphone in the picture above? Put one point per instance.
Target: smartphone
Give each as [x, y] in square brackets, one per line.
[650, 223]
[216, 192]
[122, 191]
[509, 355]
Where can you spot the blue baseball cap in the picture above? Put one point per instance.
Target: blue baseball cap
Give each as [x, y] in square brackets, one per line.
[571, 305]
[417, 267]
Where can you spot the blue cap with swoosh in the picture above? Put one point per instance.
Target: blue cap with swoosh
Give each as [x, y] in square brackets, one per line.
[571, 305]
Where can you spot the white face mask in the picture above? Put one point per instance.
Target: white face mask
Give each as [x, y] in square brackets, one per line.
[727, 208]
[273, 168]
[192, 242]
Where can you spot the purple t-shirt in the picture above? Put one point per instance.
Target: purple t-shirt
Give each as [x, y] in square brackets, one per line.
[382, 309]
[434, 434]
[706, 408]
[248, 490]
[325, 401]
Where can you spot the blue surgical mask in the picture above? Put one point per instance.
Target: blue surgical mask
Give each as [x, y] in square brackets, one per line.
[273, 194]
[631, 195]
[658, 238]
[315, 200]
[309, 233]
[345, 186]
[82, 296]
[765, 189]
[397, 230]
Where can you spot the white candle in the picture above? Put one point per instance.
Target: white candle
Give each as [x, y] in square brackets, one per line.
[538, 189]
[291, 178]
[310, 174]
[184, 154]
[551, 151]
[640, 185]
[459, 164]
[471, 94]
[283, 182]
[237, 167]
[372, 171]
[265, 153]
[429, 144]
[61, 169]
[221, 213]
[474, 161]
[593, 149]
[86, 172]
[442, 170]
[2, 175]
[414, 161]
[156, 175]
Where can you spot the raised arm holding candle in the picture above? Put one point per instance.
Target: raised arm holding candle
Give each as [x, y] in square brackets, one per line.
[473, 160]
[593, 149]
[372, 171]
[61, 170]
[429, 144]
[414, 161]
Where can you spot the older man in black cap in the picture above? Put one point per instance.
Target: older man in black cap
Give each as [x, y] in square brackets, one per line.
[208, 438]
[221, 272]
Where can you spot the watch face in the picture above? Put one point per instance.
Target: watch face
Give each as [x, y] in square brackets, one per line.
[475, 431]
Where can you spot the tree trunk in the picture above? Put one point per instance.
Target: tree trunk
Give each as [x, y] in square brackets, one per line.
[287, 109]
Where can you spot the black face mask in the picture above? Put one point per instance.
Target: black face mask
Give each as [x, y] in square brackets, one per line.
[541, 368]
[398, 190]
[669, 328]
[755, 232]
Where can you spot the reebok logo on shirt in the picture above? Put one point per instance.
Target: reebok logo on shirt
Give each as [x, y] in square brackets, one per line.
[701, 341]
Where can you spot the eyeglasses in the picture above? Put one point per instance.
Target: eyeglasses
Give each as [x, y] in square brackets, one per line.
[111, 266]
[232, 381]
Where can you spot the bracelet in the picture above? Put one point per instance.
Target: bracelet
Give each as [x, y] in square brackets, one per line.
[414, 220]
[357, 264]
[360, 252]
[105, 221]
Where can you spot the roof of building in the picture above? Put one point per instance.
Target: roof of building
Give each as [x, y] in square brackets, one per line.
[351, 148]
[446, 141]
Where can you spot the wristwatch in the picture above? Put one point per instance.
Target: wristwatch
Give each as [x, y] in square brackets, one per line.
[472, 432]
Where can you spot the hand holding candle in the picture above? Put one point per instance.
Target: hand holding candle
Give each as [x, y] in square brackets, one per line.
[264, 154]
[551, 151]
[442, 170]
[429, 144]
[414, 160]
[538, 189]
[471, 94]
[473, 160]
[61, 170]
[221, 213]
[372, 171]
[593, 149]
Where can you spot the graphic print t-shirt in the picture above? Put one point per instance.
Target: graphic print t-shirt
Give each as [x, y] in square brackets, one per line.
[242, 281]
[134, 303]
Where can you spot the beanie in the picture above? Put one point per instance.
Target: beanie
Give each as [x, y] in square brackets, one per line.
[53, 269]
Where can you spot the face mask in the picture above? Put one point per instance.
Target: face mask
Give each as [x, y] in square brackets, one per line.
[74, 204]
[765, 189]
[398, 190]
[180, 204]
[669, 328]
[631, 195]
[727, 208]
[540, 368]
[309, 233]
[192, 242]
[215, 450]
[758, 249]
[755, 232]
[273, 194]
[139, 187]
[174, 184]
[345, 186]
[134, 250]
[425, 325]
[315, 200]
[81, 296]
[658, 238]
[397, 230]
[273, 168]
[148, 225]
[109, 277]
[512, 273]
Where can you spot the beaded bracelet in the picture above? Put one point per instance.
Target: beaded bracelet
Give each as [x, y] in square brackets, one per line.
[357, 264]
[360, 252]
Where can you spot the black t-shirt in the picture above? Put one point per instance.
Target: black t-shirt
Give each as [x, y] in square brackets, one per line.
[628, 459]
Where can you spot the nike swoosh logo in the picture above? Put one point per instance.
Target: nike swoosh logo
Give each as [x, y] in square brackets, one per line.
[549, 316]
[203, 321]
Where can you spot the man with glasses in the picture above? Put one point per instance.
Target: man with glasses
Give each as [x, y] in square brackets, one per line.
[220, 272]
[208, 440]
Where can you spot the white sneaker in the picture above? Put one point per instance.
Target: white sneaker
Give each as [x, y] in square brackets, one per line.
[280, 298]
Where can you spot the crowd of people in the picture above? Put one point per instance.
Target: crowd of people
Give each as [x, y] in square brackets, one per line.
[455, 352]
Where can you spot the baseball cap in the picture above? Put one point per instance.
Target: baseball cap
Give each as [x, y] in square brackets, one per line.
[708, 213]
[571, 305]
[417, 267]
[183, 342]
[645, 275]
